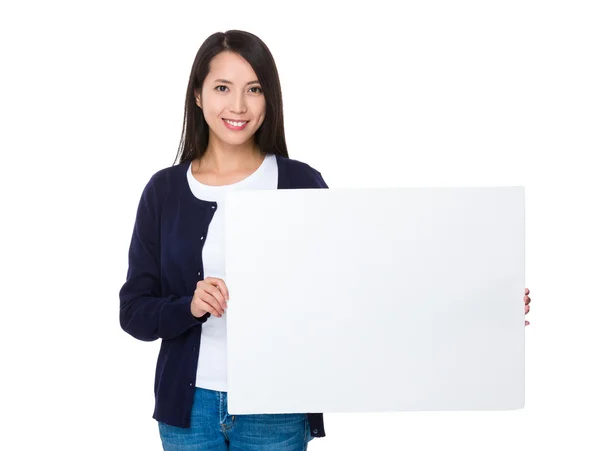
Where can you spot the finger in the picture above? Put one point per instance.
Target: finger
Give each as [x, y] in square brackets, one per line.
[208, 308]
[220, 284]
[209, 299]
[212, 287]
[526, 309]
[225, 291]
[527, 323]
[223, 287]
[526, 290]
[216, 293]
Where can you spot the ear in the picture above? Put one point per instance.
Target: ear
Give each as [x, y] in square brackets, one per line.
[198, 98]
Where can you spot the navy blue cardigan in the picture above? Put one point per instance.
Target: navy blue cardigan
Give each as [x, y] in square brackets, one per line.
[165, 263]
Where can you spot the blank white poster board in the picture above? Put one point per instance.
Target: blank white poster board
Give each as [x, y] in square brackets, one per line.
[371, 300]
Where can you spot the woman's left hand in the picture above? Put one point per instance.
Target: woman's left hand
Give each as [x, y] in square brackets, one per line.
[527, 300]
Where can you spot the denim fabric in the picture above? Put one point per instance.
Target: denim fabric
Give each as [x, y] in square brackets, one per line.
[212, 428]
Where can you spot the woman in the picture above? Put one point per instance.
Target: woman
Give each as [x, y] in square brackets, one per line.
[233, 138]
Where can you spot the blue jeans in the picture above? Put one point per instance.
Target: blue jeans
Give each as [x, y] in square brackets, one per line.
[212, 428]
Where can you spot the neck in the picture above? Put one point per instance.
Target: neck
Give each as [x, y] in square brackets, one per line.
[224, 158]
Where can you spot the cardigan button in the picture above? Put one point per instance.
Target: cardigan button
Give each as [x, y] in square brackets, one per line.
[191, 384]
[315, 430]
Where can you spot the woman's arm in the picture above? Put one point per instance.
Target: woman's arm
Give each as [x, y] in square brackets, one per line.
[144, 314]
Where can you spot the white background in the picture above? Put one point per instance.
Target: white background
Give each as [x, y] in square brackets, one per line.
[376, 94]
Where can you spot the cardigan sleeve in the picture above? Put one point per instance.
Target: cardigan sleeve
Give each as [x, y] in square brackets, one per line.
[144, 313]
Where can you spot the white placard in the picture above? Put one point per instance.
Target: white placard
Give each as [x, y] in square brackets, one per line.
[370, 300]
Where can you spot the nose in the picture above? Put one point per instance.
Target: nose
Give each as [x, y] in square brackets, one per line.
[238, 105]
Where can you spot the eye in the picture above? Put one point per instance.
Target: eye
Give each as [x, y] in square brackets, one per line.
[253, 87]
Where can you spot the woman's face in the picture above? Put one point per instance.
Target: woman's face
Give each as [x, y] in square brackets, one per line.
[231, 91]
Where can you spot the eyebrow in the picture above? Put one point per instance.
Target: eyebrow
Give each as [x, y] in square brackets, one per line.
[220, 80]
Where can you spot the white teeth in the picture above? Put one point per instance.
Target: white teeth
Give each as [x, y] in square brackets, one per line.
[235, 124]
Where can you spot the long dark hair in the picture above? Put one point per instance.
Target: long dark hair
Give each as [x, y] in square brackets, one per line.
[270, 136]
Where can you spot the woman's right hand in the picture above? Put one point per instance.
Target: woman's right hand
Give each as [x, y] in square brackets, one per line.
[211, 296]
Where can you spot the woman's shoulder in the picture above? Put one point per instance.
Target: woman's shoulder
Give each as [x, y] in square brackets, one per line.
[163, 181]
[300, 173]
[170, 175]
[297, 166]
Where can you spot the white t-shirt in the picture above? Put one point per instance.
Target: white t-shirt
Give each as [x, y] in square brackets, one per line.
[211, 372]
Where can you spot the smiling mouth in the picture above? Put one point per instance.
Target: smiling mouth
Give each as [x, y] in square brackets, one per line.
[235, 123]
